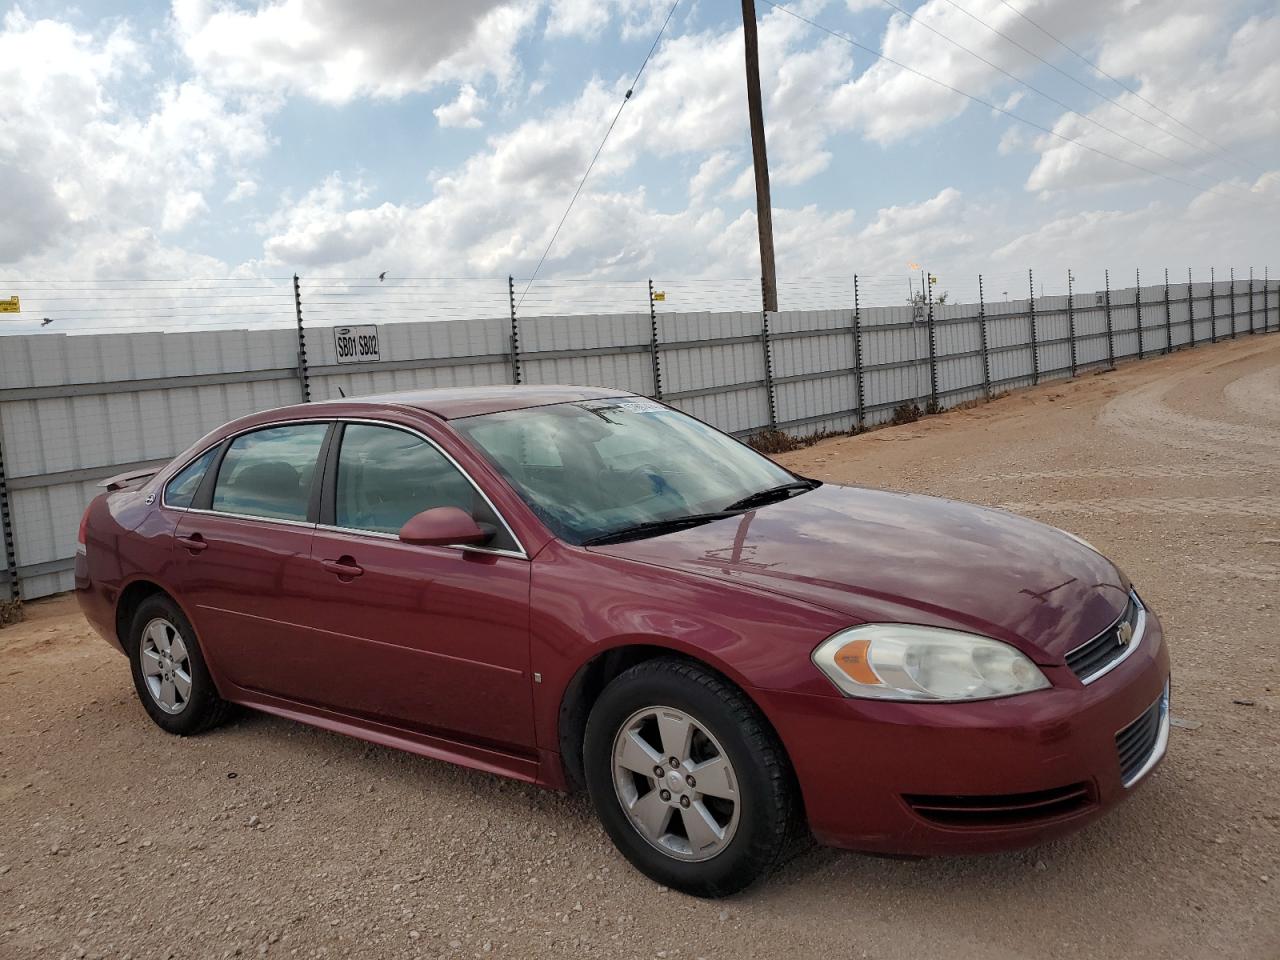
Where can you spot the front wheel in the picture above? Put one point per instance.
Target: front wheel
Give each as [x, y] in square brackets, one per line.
[688, 779]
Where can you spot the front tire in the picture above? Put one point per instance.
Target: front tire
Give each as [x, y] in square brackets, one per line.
[688, 779]
[169, 671]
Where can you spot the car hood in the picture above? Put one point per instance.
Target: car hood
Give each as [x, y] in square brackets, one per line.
[904, 558]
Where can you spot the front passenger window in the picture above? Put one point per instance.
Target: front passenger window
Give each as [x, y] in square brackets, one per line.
[386, 476]
[268, 473]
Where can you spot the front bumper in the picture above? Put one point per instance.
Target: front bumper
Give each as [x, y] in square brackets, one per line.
[879, 776]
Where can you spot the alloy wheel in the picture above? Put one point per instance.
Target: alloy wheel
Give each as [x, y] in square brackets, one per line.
[675, 783]
[166, 665]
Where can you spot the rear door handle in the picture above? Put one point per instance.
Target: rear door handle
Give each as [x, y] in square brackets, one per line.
[195, 543]
[344, 567]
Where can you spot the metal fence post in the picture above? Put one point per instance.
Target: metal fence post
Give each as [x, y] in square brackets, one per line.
[1191, 310]
[653, 345]
[768, 357]
[1232, 299]
[6, 529]
[933, 348]
[515, 331]
[1035, 340]
[1213, 306]
[1266, 299]
[1168, 316]
[982, 332]
[1137, 299]
[1111, 333]
[1251, 329]
[1071, 320]
[304, 378]
[857, 356]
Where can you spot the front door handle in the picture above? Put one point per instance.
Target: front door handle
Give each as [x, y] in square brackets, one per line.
[195, 543]
[344, 567]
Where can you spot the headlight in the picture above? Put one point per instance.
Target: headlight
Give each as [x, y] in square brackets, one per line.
[890, 661]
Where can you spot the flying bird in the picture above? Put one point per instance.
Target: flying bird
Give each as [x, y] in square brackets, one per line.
[46, 321]
[382, 276]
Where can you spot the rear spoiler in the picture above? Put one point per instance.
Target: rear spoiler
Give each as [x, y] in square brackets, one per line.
[122, 480]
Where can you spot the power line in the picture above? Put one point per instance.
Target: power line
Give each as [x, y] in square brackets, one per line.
[1078, 82]
[581, 183]
[1124, 86]
[1036, 90]
[991, 106]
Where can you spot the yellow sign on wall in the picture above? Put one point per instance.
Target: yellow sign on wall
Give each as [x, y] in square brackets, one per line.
[10, 306]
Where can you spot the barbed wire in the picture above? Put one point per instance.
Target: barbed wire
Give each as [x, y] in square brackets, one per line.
[202, 304]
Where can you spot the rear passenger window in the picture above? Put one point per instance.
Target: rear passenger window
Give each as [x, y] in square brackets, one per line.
[181, 490]
[268, 473]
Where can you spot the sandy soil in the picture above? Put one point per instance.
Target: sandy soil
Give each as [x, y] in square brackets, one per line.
[269, 838]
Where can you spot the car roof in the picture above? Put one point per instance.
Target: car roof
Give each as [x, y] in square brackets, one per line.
[452, 403]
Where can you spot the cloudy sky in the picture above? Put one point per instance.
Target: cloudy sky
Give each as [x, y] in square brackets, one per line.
[213, 138]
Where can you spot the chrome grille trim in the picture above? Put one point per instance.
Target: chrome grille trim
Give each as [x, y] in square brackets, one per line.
[1139, 631]
[1160, 742]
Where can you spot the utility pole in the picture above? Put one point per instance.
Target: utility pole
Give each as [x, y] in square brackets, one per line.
[764, 208]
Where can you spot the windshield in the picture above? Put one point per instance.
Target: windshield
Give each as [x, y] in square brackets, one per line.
[594, 468]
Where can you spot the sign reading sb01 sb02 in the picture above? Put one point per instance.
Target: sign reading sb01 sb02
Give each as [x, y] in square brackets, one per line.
[356, 344]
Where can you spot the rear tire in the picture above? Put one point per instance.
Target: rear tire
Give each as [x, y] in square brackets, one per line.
[723, 813]
[169, 671]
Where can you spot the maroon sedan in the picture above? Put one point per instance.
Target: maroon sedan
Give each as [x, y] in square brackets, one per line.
[577, 586]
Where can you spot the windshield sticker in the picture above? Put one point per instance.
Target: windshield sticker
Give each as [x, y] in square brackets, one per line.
[627, 405]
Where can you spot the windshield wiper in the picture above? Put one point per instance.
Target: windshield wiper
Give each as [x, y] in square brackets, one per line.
[655, 527]
[781, 492]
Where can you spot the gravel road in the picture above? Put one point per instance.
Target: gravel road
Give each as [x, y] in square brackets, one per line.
[270, 838]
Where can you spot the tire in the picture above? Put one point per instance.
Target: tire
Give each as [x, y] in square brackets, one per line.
[720, 841]
[160, 681]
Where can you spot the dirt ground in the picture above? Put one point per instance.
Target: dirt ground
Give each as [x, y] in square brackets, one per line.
[270, 838]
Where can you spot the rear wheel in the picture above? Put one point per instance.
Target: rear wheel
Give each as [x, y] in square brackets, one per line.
[688, 779]
[169, 671]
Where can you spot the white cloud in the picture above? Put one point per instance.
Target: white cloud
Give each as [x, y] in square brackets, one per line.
[588, 18]
[1209, 230]
[337, 50]
[110, 165]
[462, 111]
[710, 172]
[243, 190]
[1228, 96]
[96, 167]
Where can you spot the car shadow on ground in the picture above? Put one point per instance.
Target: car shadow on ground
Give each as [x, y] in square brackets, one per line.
[1123, 836]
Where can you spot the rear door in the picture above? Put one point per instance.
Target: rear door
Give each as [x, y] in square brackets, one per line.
[431, 638]
[244, 557]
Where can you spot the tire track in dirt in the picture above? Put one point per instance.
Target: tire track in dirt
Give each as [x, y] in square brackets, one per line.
[1144, 414]
[1261, 507]
[1256, 395]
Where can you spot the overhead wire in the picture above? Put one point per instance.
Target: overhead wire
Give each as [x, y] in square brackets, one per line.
[1198, 188]
[574, 199]
[1124, 86]
[1040, 93]
[1077, 81]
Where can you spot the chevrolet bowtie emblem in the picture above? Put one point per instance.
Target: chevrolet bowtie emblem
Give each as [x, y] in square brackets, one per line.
[1124, 633]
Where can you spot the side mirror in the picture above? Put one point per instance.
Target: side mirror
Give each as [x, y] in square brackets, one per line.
[443, 527]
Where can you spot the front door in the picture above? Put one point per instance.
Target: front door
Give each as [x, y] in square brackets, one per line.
[431, 638]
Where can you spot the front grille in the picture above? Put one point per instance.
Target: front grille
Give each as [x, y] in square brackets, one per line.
[1090, 660]
[1139, 742]
[1002, 810]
